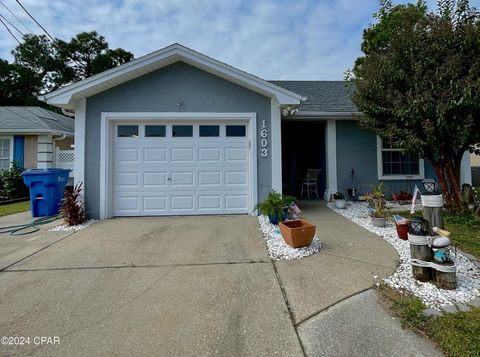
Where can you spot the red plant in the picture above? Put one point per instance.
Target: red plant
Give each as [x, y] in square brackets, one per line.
[73, 209]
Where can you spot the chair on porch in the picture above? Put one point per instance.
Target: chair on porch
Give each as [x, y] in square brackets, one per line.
[309, 182]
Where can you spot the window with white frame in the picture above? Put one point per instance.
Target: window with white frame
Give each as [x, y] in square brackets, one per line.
[395, 164]
[5, 153]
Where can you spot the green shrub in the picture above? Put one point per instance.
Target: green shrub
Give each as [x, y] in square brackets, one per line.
[11, 183]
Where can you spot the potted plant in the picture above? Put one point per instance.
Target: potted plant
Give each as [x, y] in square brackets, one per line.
[377, 200]
[274, 206]
[339, 200]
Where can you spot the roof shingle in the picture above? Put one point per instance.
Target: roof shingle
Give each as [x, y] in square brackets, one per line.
[322, 96]
[34, 119]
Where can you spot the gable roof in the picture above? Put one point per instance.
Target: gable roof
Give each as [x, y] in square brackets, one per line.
[324, 98]
[33, 120]
[66, 97]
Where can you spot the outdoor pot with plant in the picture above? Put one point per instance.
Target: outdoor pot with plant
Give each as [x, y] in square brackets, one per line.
[339, 200]
[376, 199]
[274, 206]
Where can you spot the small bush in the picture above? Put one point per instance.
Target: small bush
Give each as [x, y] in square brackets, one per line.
[73, 209]
[11, 183]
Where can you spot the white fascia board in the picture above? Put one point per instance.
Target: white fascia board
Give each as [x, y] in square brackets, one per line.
[174, 53]
[327, 115]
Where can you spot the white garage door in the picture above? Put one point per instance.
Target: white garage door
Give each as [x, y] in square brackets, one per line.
[162, 168]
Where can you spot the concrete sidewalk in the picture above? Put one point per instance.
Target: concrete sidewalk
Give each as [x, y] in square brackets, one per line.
[16, 248]
[333, 305]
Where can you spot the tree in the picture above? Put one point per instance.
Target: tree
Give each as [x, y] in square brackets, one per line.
[42, 65]
[419, 82]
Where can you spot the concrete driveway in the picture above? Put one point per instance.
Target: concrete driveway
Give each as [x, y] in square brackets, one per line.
[193, 286]
[151, 286]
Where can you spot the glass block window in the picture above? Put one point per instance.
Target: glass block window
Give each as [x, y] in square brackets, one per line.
[5, 154]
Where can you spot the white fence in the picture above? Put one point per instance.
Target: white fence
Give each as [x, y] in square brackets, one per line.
[64, 159]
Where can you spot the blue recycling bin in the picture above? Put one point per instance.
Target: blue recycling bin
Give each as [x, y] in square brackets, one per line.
[46, 190]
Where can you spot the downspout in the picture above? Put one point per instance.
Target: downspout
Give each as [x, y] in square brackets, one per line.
[61, 137]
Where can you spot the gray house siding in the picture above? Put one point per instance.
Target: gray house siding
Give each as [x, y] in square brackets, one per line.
[357, 149]
[160, 91]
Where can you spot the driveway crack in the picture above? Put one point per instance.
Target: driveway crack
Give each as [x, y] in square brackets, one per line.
[287, 303]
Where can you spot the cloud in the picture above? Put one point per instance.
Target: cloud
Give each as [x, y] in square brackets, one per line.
[274, 39]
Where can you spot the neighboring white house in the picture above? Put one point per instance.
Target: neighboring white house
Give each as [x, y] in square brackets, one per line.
[34, 137]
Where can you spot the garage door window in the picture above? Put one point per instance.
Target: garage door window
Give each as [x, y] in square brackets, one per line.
[127, 131]
[209, 130]
[155, 131]
[182, 131]
[236, 130]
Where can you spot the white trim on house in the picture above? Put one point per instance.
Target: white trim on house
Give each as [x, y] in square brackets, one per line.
[381, 176]
[108, 119]
[331, 157]
[66, 97]
[276, 145]
[79, 148]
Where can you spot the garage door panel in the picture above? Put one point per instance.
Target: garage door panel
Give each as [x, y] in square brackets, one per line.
[127, 178]
[127, 155]
[209, 154]
[181, 179]
[236, 202]
[155, 179]
[208, 178]
[235, 154]
[182, 203]
[155, 155]
[181, 175]
[236, 178]
[209, 202]
[127, 203]
[182, 154]
[155, 204]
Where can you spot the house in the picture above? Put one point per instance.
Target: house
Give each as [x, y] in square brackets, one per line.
[34, 138]
[176, 132]
[475, 162]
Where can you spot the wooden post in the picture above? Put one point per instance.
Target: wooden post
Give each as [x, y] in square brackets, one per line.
[434, 218]
[444, 280]
[424, 253]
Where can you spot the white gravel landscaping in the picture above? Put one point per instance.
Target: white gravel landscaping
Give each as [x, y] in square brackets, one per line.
[468, 275]
[66, 228]
[278, 249]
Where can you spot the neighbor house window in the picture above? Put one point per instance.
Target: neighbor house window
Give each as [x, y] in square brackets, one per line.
[5, 153]
[395, 164]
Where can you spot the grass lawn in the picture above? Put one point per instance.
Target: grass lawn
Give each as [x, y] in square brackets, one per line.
[456, 334]
[12, 208]
[465, 229]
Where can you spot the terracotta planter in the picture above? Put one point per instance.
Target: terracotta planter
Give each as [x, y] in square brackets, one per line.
[298, 233]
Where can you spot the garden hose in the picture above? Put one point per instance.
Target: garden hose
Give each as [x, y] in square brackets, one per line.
[27, 228]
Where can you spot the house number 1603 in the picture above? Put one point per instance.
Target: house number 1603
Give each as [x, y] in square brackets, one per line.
[264, 139]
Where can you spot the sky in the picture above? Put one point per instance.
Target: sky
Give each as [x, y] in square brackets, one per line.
[273, 39]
